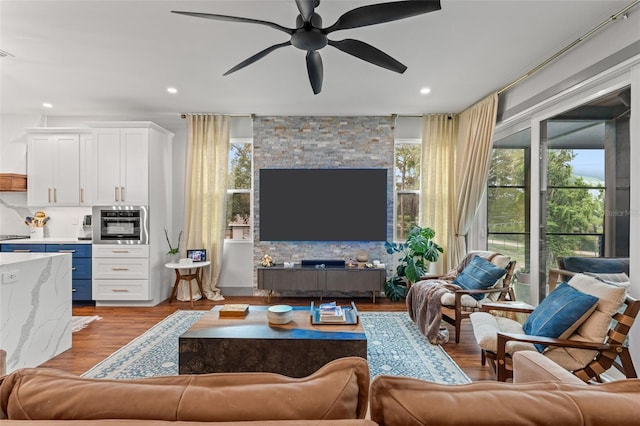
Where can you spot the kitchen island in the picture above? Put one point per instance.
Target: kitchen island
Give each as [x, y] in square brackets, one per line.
[35, 307]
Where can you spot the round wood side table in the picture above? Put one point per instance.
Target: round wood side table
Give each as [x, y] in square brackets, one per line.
[187, 272]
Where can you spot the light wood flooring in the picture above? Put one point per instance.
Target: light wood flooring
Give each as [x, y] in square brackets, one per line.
[120, 325]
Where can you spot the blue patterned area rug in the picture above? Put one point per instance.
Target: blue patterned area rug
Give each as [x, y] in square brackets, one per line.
[394, 347]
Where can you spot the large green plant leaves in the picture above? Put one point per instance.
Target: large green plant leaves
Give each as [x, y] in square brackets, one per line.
[417, 251]
[395, 289]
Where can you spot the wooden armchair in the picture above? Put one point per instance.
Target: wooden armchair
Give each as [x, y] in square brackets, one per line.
[459, 305]
[585, 356]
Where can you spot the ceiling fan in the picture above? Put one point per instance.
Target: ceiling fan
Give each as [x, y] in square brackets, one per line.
[309, 34]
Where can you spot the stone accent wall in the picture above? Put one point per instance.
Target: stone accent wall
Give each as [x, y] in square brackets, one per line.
[322, 142]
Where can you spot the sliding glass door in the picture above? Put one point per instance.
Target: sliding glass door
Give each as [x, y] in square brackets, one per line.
[584, 188]
[561, 186]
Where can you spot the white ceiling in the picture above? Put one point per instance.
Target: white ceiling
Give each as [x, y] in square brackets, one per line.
[116, 58]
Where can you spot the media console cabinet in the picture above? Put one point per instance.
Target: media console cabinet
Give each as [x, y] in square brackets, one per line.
[321, 279]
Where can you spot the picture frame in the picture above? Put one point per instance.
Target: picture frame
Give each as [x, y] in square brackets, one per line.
[197, 255]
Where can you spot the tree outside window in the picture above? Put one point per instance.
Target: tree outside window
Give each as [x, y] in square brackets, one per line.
[239, 191]
[407, 187]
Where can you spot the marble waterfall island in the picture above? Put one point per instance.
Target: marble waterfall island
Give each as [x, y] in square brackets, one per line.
[35, 307]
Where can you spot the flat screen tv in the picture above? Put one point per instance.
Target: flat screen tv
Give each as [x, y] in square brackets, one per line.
[323, 204]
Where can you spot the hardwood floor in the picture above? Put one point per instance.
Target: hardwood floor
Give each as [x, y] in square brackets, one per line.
[120, 325]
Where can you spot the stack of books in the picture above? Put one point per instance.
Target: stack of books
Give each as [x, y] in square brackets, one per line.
[331, 312]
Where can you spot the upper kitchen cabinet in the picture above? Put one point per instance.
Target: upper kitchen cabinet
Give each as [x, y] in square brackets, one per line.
[130, 162]
[53, 167]
[122, 166]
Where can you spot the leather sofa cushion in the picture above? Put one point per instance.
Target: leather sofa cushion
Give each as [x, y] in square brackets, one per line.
[339, 390]
[404, 401]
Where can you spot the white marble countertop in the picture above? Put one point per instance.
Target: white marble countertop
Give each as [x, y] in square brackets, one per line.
[47, 240]
[12, 258]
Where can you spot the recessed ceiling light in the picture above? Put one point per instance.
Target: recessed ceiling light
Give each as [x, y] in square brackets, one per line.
[172, 90]
[425, 91]
[47, 104]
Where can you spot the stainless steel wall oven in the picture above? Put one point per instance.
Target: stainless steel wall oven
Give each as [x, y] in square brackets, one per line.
[120, 225]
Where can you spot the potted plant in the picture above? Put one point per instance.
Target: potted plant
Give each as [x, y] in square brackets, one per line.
[173, 251]
[417, 251]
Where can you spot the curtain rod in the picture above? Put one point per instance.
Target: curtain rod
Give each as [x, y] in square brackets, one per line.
[252, 116]
[569, 46]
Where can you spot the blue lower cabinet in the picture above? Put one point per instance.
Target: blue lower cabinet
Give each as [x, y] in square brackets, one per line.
[80, 265]
[81, 291]
[80, 270]
[23, 248]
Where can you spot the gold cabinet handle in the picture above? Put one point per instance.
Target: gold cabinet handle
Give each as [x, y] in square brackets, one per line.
[55, 195]
[66, 251]
[119, 251]
[22, 251]
[118, 290]
[115, 193]
[119, 269]
[49, 195]
[82, 195]
[122, 193]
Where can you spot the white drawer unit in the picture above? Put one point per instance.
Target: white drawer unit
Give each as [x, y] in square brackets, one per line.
[120, 289]
[116, 250]
[120, 272]
[116, 268]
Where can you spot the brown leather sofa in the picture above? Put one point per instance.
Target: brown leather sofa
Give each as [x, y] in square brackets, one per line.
[543, 393]
[337, 394]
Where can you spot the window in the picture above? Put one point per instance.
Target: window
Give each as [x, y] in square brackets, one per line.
[508, 200]
[407, 186]
[575, 203]
[239, 190]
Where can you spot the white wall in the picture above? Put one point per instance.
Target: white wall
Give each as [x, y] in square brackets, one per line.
[591, 56]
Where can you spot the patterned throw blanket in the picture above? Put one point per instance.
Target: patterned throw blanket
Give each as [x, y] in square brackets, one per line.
[423, 304]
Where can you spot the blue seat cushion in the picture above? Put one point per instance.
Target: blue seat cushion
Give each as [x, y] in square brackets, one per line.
[609, 265]
[479, 274]
[564, 309]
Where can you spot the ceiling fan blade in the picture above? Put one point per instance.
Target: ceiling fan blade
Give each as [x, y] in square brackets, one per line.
[382, 12]
[257, 57]
[314, 68]
[235, 19]
[306, 8]
[368, 53]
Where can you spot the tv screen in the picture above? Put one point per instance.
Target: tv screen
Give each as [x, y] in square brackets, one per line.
[323, 204]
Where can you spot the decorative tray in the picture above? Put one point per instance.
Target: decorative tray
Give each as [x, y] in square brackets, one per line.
[351, 316]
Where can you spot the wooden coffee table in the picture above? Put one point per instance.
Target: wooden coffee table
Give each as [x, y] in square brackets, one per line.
[296, 349]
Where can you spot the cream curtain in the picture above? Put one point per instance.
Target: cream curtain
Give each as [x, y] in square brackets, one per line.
[473, 156]
[437, 181]
[205, 194]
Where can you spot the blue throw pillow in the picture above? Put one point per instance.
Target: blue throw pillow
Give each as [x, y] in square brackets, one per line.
[564, 308]
[479, 274]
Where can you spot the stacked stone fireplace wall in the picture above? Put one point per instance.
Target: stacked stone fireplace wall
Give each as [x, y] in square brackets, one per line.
[322, 142]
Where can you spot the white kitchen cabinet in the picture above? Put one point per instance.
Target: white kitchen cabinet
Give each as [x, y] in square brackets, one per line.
[121, 166]
[120, 272]
[86, 170]
[53, 169]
